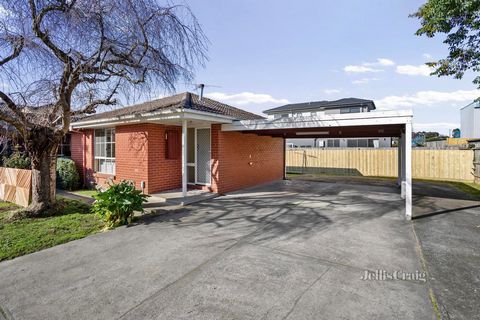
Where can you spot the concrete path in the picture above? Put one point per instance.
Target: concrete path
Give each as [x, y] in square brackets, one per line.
[450, 242]
[286, 250]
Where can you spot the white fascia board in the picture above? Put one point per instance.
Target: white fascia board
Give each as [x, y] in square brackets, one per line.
[207, 116]
[337, 120]
[170, 114]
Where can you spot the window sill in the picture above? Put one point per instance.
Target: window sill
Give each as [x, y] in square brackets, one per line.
[104, 175]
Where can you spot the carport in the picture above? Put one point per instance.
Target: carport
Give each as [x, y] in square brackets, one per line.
[351, 125]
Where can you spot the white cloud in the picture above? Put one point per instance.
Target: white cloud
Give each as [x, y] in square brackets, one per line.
[427, 56]
[421, 70]
[360, 69]
[418, 126]
[385, 62]
[331, 91]
[364, 80]
[369, 66]
[380, 62]
[427, 98]
[244, 98]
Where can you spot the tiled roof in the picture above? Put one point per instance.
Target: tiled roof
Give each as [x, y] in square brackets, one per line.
[184, 100]
[342, 103]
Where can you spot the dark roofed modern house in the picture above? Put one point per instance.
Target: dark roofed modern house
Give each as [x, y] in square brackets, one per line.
[322, 108]
[318, 108]
[144, 143]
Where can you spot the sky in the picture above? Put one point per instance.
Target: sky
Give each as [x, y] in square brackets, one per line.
[264, 54]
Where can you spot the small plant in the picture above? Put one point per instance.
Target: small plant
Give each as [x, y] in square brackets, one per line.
[67, 174]
[116, 204]
[17, 160]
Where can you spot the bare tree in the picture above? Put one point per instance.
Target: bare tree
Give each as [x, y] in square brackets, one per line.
[61, 59]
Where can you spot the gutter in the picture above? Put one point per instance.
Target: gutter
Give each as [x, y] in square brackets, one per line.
[176, 113]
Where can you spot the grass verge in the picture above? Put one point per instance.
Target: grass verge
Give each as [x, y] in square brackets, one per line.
[20, 237]
[85, 193]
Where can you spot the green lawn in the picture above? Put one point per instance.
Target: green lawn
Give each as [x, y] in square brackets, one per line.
[33, 234]
[85, 193]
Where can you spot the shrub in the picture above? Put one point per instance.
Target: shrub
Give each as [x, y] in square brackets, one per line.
[116, 204]
[17, 160]
[67, 174]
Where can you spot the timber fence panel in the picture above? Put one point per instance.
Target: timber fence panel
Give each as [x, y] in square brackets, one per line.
[16, 185]
[426, 163]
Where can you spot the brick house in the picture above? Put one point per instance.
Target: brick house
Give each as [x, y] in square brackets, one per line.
[175, 142]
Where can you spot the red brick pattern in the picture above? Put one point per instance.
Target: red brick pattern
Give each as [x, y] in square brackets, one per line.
[242, 160]
[139, 156]
[82, 154]
[238, 160]
[163, 174]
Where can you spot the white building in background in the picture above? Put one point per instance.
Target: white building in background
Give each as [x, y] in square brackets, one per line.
[470, 120]
[320, 108]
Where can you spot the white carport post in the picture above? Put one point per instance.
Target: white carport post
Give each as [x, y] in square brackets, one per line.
[408, 170]
[402, 164]
[184, 158]
[399, 159]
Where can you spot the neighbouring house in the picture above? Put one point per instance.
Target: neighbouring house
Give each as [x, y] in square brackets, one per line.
[470, 120]
[319, 109]
[144, 143]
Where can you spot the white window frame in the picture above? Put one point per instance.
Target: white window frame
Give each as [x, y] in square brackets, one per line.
[96, 167]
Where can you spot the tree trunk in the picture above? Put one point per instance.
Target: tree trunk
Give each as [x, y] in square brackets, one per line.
[43, 156]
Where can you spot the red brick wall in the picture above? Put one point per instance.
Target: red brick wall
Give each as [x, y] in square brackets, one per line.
[139, 156]
[243, 160]
[163, 174]
[238, 160]
[131, 153]
[82, 153]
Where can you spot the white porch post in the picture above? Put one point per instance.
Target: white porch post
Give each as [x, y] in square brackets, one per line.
[408, 170]
[184, 158]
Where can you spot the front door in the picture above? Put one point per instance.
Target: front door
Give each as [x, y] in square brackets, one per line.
[203, 156]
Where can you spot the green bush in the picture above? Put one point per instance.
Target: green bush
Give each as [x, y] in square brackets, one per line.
[116, 204]
[67, 174]
[17, 160]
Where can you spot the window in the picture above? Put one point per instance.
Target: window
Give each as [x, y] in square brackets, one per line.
[352, 143]
[172, 144]
[362, 143]
[333, 143]
[105, 151]
[64, 146]
[351, 110]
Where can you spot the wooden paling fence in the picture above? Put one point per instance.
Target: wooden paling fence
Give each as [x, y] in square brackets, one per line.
[15, 185]
[426, 164]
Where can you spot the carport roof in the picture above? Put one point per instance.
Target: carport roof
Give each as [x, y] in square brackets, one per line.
[350, 125]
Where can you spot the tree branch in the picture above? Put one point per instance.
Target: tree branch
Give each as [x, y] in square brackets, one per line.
[17, 49]
[37, 22]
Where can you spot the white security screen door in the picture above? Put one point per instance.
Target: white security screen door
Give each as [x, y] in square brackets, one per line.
[203, 156]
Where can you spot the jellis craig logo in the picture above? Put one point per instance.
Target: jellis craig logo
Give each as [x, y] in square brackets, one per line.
[384, 275]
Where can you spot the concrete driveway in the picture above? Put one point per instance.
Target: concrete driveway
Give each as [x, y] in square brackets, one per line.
[286, 250]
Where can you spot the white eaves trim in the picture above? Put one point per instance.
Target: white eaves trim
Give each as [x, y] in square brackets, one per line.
[158, 116]
[334, 120]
